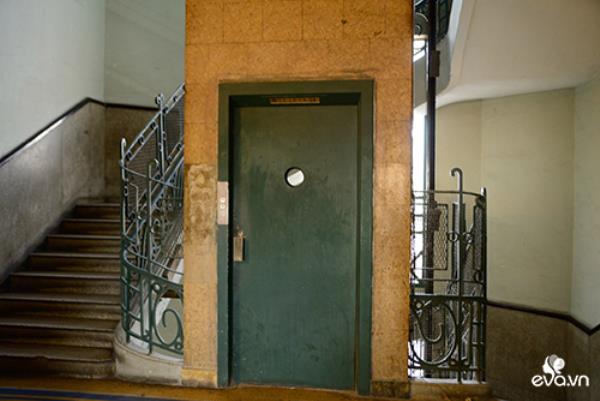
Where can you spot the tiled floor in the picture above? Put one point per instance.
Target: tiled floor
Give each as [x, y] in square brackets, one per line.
[56, 389]
[18, 394]
[53, 389]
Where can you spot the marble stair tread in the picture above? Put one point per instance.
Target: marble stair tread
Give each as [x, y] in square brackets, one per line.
[75, 255]
[59, 323]
[90, 225]
[89, 220]
[96, 211]
[56, 352]
[65, 274]
[92, 203]
[61, 298]
[101, 200]
[90, 237]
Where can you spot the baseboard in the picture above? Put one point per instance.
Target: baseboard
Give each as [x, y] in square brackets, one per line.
[390, 389]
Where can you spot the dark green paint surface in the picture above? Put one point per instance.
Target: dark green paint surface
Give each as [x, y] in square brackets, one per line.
[294, 298]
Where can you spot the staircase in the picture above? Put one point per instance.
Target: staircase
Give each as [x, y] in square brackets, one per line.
[59, 312]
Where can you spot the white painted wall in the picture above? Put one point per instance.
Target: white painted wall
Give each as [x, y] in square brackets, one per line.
[52, 56]
[145, 42]
[56, 53]
[585, 292]
[521, 149]
[509, 47]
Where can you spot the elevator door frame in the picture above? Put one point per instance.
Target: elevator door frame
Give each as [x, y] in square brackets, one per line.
[360, 93]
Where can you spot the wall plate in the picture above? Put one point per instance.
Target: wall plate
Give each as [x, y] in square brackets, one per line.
[222, 203]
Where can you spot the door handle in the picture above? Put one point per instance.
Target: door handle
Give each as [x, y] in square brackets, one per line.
[238, 246]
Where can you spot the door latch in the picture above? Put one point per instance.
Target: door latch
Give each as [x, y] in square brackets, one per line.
[238, 246]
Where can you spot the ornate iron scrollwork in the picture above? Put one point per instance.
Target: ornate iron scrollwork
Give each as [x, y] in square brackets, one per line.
[152, 230]
[448, 287]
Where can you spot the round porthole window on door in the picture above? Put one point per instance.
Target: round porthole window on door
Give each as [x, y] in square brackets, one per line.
[294, 177]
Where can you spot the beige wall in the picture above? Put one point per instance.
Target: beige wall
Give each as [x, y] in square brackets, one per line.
[526, 163]
[585, 292]
[458, 144]
[539, 161]
[527, 166]
[279, 40]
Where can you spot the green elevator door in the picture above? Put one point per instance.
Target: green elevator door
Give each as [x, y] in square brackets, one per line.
[295, 199]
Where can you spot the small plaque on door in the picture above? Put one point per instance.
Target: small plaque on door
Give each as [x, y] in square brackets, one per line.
[294, 100]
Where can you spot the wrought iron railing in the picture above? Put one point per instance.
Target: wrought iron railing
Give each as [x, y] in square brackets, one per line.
[152, 230]
[421, 29]
[448, 284]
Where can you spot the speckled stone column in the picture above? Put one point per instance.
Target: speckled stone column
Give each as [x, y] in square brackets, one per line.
[288, 40]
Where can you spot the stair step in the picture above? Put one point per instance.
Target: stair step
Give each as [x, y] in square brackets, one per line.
[59, 314]
[24, 358]
[83, 243]
[95, 306]
[107, 326]
[84, 260]
[73, 275]
[66, 282]
[99, 199]
[74, 354]
[107, 268]
[97, 210]
[89, 226]
[58, 331]
[62, 298]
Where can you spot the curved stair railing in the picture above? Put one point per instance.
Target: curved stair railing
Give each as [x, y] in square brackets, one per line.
[448, 289]
[152, 230]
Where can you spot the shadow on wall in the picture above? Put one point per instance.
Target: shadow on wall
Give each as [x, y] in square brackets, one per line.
[77, 157]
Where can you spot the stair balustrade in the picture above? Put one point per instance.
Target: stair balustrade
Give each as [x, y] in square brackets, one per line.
[448, 284]
[152, 230]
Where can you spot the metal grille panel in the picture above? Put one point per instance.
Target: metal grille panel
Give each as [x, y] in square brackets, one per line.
[152, 230]
[448, 285]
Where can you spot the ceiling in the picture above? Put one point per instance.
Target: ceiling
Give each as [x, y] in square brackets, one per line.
[507, 47]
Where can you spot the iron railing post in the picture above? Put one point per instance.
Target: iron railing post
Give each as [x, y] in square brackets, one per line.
[484, 284]
[459, 228]
[122, 249]
[432, 74]
[161, 136]
[150, 251]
